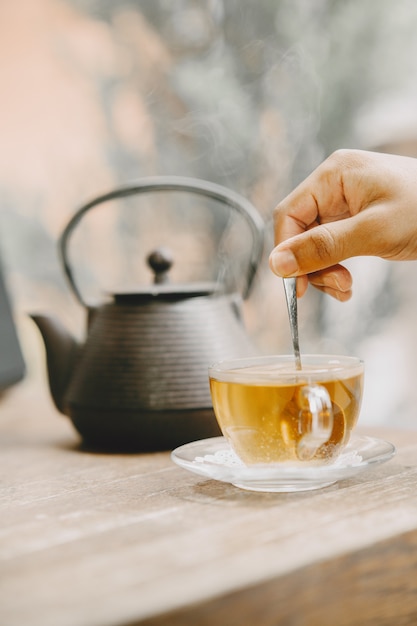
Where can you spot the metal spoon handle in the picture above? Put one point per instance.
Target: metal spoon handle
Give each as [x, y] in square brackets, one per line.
[290, 286]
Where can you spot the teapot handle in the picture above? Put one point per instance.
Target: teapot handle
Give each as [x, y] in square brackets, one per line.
[172, 183]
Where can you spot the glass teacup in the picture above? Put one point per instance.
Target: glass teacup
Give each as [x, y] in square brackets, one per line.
[270, 412]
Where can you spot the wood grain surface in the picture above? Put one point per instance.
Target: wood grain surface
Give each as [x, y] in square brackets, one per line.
[91, 539]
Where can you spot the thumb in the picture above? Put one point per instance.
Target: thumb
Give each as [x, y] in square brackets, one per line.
[321, 247]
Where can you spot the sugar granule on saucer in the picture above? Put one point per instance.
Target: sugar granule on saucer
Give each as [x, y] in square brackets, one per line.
[228, 458]
[222, 457]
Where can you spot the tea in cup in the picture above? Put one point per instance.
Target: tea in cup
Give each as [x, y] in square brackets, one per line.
[270, 412]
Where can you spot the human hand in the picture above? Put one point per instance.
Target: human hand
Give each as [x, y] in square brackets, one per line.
[355, 203]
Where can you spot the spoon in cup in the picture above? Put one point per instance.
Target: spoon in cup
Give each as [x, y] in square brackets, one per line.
[290, 286]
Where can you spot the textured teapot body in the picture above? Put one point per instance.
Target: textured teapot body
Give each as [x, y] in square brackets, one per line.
[141, 379]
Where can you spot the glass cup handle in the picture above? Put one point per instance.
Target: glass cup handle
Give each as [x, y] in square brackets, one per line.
[315, 420]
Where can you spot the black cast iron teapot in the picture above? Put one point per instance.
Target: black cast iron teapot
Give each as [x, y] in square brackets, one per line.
[140, 382]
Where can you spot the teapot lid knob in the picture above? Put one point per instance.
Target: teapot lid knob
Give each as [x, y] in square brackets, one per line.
[160, 261]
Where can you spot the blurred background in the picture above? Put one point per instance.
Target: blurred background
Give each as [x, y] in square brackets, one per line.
[250, 95]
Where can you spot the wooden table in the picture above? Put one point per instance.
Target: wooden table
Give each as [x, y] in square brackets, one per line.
[104, 540]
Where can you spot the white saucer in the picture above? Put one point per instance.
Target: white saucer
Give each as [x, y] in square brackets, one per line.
[214, 458]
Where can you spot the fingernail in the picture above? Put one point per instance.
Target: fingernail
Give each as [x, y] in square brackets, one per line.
[284, 263]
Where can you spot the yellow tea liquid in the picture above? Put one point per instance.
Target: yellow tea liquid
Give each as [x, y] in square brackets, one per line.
[264, 421]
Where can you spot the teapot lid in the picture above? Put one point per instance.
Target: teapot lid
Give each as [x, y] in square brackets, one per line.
[160, 261]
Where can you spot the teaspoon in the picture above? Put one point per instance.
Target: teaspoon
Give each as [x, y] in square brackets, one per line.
[290, 286]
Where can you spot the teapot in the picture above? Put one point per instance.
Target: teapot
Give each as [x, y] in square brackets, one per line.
[139, 381]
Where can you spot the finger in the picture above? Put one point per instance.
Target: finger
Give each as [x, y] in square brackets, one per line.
[302, 284]
[318, 199]
[326, 245]
[336, 278]
[297, 213]
[342, 296]
[336, 281]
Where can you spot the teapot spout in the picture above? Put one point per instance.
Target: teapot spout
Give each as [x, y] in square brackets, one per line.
[61, 353]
